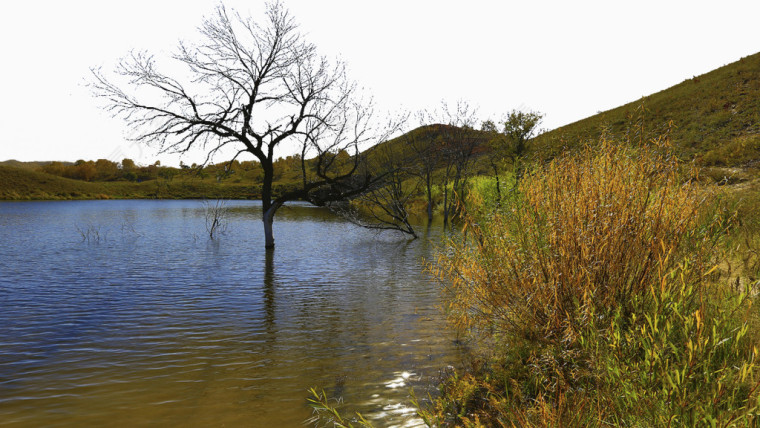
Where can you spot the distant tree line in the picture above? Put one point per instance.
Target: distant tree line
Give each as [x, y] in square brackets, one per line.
[106, 170]
[285, 169]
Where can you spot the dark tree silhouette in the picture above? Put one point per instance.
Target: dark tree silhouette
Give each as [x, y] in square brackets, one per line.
[427, 149]
[385, 204]
[253, 87]
[458, 148]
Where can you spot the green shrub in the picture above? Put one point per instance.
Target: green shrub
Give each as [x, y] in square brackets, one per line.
[737, 151]
[594, 290]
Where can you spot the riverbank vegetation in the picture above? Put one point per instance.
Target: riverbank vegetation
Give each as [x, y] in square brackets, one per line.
[601, 295]
[609, 287]
[615, 283]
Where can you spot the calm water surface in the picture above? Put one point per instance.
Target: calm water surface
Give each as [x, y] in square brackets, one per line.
[149, 322]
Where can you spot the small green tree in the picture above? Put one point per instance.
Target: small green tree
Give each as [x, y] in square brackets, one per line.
[496, 143]
[511, 143]
[106, 170]
[84, 170]
[127, 164]
[519, 128]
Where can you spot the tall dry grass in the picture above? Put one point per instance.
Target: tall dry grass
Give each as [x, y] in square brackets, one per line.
[590, 229]
[593, 287]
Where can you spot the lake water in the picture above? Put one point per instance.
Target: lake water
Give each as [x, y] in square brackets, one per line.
[123, 313]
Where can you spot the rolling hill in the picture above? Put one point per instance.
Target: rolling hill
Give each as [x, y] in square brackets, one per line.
[715, 117]
[27, 184]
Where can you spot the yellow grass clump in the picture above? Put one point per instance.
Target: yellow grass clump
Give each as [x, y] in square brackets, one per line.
[595, 228]
[593, 288]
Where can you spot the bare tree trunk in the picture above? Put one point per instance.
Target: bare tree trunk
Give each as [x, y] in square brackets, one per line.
[429, 199]
[268, 236]
[456, 197]
[268, 219]
[445, 204]
[518, 170]
[498, 185]
[267, 207]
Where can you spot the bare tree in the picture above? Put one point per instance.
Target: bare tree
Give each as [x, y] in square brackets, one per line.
[424, 143]
[385, 204]
[216, 214]
[459, 141]
[251, 87]
[495, 159]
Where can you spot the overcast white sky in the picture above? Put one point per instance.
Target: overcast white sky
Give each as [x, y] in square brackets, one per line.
[567, 59]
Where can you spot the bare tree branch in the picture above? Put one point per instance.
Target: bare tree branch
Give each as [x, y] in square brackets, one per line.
[253, 87]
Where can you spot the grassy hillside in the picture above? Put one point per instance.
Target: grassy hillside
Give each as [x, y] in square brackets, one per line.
[26, 184]
[27, 165]
[716, 118]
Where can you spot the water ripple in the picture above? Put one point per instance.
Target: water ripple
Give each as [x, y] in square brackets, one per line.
[152, 323]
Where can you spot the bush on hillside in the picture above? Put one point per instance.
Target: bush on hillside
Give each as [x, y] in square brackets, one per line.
[591, 289]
